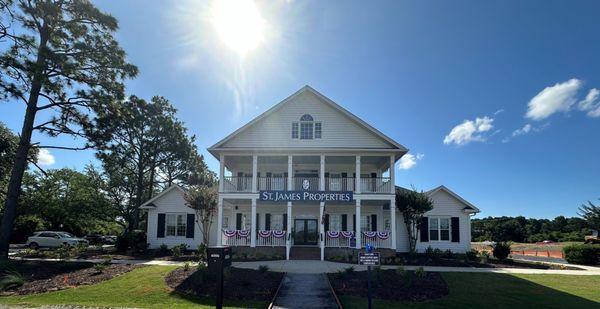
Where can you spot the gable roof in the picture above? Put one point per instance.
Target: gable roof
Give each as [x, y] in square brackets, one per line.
[468, 206]
[323, 99]
[148, 204]
[456, 196]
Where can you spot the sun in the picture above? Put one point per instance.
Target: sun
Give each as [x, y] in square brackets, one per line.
[238, 24]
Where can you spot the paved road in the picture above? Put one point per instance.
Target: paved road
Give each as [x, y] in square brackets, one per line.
[305, 291]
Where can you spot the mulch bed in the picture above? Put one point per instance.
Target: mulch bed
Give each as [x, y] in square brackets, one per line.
[387, 284]
[52, 276]
[239, 284]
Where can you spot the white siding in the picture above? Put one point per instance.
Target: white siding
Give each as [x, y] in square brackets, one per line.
[446, 205]
[274, 131]
[173, 202]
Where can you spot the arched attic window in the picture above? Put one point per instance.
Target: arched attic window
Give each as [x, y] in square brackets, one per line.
[306, 128]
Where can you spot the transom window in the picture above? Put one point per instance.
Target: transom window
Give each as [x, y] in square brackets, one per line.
[306, 128]
[439, 229]
[176, 224]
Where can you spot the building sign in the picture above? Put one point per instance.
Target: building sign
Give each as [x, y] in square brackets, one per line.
[305, 196]
[369, 259]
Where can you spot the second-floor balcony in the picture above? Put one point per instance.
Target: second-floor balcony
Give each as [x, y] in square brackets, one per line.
[243, 184]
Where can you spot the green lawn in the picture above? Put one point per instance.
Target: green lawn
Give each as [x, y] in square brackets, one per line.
[488, 290]
[141, 288]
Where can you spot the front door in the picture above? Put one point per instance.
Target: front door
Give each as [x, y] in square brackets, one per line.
[306, 232]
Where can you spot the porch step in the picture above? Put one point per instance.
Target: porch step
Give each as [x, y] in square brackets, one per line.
[305, 253]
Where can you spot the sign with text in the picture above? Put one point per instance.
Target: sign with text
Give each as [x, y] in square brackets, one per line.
[369, 259]
[305, 196]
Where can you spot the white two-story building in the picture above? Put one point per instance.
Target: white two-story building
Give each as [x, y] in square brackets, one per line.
[307, 173]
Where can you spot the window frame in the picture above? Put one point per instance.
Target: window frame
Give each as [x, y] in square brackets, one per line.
[177, 225]
[295, 130]
[310, 130]
[439, 229]
[306, 128]
[320, 125]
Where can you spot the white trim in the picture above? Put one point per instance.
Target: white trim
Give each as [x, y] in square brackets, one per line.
[167, 190]
[439, 229]
[216, 147]
[444, 188]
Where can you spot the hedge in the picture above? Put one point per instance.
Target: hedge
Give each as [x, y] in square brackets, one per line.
[585, 254]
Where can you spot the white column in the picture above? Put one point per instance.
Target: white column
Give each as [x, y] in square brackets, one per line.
[322, 230]
[393, 221]
[219, 222]
[322, 174]
[288, 241]
[254, 173]
[357, 179]
[253, 231]
[393, 173]
[221, 171]
[290, 171]
[358, 232]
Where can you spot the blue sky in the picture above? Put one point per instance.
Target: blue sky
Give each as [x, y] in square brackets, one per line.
[490, 97]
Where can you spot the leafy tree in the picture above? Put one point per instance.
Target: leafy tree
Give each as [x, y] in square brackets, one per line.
[8, 146]
[59, 59]
[591, 213]
[203, 199]
[413, 205]
[145, 139]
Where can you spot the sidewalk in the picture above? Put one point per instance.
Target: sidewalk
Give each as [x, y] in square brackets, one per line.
[318, 267]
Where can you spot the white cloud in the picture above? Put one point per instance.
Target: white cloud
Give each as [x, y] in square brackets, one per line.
[409, 160]
[500, 111]
[45, 158]
[557, 98]
[524, 130]
[591, 104]
[469, 131]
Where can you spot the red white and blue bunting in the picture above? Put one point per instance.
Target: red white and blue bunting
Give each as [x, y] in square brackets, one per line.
[246, 233]
[239, 233]
[336, 234]
[381, 235]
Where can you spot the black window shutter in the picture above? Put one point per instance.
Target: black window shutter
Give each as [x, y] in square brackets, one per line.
[160, 227]
[268, 222]
[424, 229]
[238, 221]
[285, 222]
[455, 226]
[344, 222]
[374, 223]
[326, 223]
[189, 228]
[354, 223]
[257, 222]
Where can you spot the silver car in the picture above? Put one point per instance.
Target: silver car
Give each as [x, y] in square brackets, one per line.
[52, 239]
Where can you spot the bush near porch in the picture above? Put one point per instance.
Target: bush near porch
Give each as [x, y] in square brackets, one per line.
[246, 254]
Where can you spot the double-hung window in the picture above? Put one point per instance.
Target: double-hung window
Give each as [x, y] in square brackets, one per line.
[306, 128]
[335, 222]
[439, 229]
[176, 224]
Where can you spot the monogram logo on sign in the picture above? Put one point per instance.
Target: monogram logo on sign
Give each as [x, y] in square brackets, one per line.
[305, 184]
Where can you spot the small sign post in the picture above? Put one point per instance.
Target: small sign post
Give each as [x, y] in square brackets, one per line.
[218, 258]
[369, 258]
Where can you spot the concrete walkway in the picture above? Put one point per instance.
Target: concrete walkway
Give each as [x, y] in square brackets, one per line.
[305, 291]
[317, 267]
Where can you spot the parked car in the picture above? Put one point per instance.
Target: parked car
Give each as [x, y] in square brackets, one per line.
[53, 239]
[96, 239]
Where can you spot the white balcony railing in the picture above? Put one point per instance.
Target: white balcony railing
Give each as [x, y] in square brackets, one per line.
[305, 183]
[237, 184]
[272, 183]
[236, 237]
[375, 185]
[339, 184]
[378, 239]
[272, 238]
[338, 239]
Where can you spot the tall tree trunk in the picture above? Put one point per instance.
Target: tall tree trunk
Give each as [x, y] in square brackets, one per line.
[20, 163]
[139, 190]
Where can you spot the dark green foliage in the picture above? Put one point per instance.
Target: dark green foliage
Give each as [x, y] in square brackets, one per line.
[585, 254]
[263, 268]
[203, 199]
[501, 250]
[471, 255]
[412, 204]
[520, 229]
[134, 240]
[179, 250]
[591, 213]
[11, 280]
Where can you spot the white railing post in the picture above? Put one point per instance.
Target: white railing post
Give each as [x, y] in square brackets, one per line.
[393, 174]
[254, 172]
[357, 178]
[288, 234]
[219, 222]
[322, 229]
[290, 174]
[358, 234]
[253, 220]
[393, 221]
[221, 171]
[322, 174]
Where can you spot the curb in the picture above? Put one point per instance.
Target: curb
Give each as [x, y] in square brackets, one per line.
[276, 292]
[337, 300]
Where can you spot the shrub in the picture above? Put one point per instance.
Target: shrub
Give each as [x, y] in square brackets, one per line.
[582, 254]
[186, 266]
[471, 255]
[448, 254]
[429, 251]
[63, 252]
[400, 271]
[11, 280]
[420, 272]
[349, 270]
[179, 250]
[263, 269]
[100, 267]
[484, 256]
[501, 250]
[163, 249]
[134, 240]
[202, 252]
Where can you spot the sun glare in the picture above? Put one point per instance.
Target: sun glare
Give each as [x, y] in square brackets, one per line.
[239, 24]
